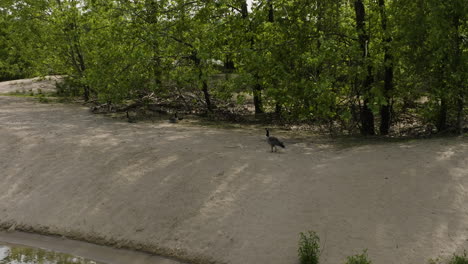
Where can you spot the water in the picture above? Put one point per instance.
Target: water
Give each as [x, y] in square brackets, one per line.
[15, 254]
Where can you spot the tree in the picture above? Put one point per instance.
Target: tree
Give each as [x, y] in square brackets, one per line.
[385, 109]
[338, 63]
[434, 50]
[366, 115]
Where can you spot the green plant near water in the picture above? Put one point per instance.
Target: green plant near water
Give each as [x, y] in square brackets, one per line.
[359, 259]
[309, 248]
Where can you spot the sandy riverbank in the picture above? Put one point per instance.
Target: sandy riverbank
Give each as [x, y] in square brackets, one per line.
[202, 193]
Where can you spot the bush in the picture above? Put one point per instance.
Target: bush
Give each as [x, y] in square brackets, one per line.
[463, 259]
[43, 99]
[69, 87]
[359, 259]
[309, 248]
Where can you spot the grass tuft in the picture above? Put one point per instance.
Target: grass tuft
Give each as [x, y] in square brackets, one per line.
[309, 248]
[359, 259]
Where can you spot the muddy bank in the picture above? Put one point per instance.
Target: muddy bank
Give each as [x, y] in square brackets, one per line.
[205, 194]
[82, 249]
[94, 246]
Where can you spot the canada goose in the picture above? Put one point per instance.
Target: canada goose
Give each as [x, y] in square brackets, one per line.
[272, 141]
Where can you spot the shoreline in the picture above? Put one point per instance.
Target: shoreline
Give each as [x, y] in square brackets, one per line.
[88, 250]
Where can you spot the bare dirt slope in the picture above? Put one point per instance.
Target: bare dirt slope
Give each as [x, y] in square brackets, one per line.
[220, 194]
[45, 84]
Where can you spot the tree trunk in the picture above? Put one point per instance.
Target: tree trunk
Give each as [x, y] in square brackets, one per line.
[204, 84]
[367, 119]
[257, 88]
[244, 10]
[385, 118]
[278, 110]
[257, 96]
[385, 110]
[461, 86]
[366, 115]
[156, 63]
[151, 17]
[442, 118]
[271, 14]
[86, 93]
[229, 66]
[81, 68]
[206, 93]
[460, 116]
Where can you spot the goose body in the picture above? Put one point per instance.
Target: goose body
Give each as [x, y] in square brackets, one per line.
[273, 141]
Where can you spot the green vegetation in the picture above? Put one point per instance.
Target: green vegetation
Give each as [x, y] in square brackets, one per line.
[309, 253]
[352, 66]
[359, 259]
[24, 255]
[459, 259]
[41, 96]
[309, 248]
[456, 259]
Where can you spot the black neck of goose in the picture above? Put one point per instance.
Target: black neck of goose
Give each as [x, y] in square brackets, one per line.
[267, 133]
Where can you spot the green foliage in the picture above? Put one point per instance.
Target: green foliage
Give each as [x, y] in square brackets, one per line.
[459, 259]
[309, 248]
[305, 62]
[43, 99]
[455, 259]
[359, 259]
[68, 87]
